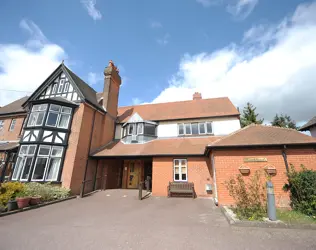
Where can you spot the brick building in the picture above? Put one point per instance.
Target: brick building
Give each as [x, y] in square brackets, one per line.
[72, 134]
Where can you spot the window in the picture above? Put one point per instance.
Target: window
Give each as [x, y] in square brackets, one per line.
[54, 88]
[24, 163]
[195, 129]
[124, 131]
[188, 128]
[131, 129]
[66, 87]
[180, 170]
[140, 128]
[61, 85]
[201, 128]
[1, 124]
[47, 163]
[12, 125]
[181, 129]
[37, 116]
[58, 116]
[149, 129]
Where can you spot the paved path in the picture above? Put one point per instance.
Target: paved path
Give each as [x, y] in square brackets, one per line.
[115, 219]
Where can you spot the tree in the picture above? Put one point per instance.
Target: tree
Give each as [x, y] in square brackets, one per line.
[249, 116]
[284, 121]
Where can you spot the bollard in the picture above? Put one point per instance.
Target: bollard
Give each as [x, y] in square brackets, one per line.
[271, 202]
[140, 191]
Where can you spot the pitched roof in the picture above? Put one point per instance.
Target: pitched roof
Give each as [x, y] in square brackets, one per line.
[309, 124]
[174, 146]
[260, 135]
[14, 107]
[8, 146]
[203, 108]
[89, 93]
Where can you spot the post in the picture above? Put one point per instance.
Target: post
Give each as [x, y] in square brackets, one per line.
[271, 202]
[82, 189]
[147, 184]
[140, 191]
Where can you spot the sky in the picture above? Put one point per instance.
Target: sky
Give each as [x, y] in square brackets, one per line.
[258, 51]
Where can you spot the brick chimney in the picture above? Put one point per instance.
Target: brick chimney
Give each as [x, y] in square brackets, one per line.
[197, 96]
[112, 83]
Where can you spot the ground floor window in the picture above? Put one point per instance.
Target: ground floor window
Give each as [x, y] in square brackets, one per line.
[180, 170]
[47, 163]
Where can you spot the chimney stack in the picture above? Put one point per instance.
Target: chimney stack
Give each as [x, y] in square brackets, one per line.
[197, 96]
[112, 83]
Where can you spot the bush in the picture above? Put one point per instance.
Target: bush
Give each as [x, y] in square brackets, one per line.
[302, 187]
[47, 191]
[9, 190]
[250, 198]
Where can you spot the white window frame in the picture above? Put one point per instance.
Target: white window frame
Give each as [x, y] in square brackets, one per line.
[37, 112]
[61, 86]
[128, 131]
[1, 124]
[24, 157]
[12, 125]
[185, 130]
[181, 124]
[54, 88]
[204, 124]
[41, 156]
[142, 128]
[211, 127]
[59, 114]
[198, 132]
[180, 173]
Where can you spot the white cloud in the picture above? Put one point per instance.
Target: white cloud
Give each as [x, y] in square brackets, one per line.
[155, 24]
[94, 78]
[89, 5]
[163, 40]
[277, 76]
[242, 8]
[136, 101]
[25, 67]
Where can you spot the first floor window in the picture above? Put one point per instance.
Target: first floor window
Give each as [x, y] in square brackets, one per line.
[1, 124]
[188, 128]
[195, 130]
[180, 170]
[181, 129]
[37, 116]
[12, 125]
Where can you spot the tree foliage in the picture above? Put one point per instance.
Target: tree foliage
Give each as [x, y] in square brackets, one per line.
[249, 116]
[284, 121]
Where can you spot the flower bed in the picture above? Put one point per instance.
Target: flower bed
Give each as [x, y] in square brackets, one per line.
[16, 195]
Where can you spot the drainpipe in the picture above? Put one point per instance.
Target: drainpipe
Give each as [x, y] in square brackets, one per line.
[214, 179]
[87, 162]
[285, 159]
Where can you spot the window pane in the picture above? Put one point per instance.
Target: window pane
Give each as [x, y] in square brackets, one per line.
[40, 118]
[202, 128]
[44, 150]
[57, 151]
[18, 168]
[183, 177]
[35, 108]
[54, 88]
[130, 128]
[23, 150]
[188, 129]
[32, 119]
[12, 124]
[176, 162]
[27, 167]
[54, 107]
[63, 121]
[43, 107]
[176, 177]
[53, 168]
[140, 127]
[31, 150]
[183, 163]
[149, 129]
[195, 129]
[180, 129]
[176, 170]
[39, 169]
[66, 110]
[209, 127]
[66, 87]
[52, 119]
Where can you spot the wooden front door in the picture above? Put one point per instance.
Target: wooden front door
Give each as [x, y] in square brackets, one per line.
[133, 175]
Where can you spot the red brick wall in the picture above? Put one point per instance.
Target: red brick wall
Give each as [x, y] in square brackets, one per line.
[5, 134]
[227, 163]
[199, 172]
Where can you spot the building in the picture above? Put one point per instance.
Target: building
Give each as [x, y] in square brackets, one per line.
[74, 135]
[311, 126]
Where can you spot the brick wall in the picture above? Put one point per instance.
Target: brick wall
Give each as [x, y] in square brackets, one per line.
[5, 134]
[199, 172]
[227, 163]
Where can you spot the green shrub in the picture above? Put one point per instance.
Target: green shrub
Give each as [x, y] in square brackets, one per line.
[250, 198]
[47, 191]
[302, 187]
[9, 190]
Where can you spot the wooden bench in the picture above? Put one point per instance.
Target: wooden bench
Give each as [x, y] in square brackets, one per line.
[181, 188]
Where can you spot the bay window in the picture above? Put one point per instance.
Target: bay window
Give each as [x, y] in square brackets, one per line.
[58, 116]
[180, 170]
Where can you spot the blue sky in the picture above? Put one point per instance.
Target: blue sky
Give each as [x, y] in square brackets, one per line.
[167, 49]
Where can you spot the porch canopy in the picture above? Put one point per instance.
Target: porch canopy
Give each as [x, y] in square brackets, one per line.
[7, 146]
[189, 146]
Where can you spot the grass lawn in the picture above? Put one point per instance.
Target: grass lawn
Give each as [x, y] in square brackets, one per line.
[294, 217]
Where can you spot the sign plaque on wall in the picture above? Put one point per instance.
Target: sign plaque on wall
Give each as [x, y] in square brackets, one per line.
[255, 159]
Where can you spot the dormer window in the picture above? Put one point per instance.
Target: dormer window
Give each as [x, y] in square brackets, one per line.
[201, 128]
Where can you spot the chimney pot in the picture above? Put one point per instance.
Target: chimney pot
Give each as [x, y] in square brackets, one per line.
[197, 96]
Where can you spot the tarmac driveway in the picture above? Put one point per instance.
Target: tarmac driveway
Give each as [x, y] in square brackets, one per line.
[115, 219]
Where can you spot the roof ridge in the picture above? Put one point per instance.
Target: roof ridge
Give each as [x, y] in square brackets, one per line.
[148, 104]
